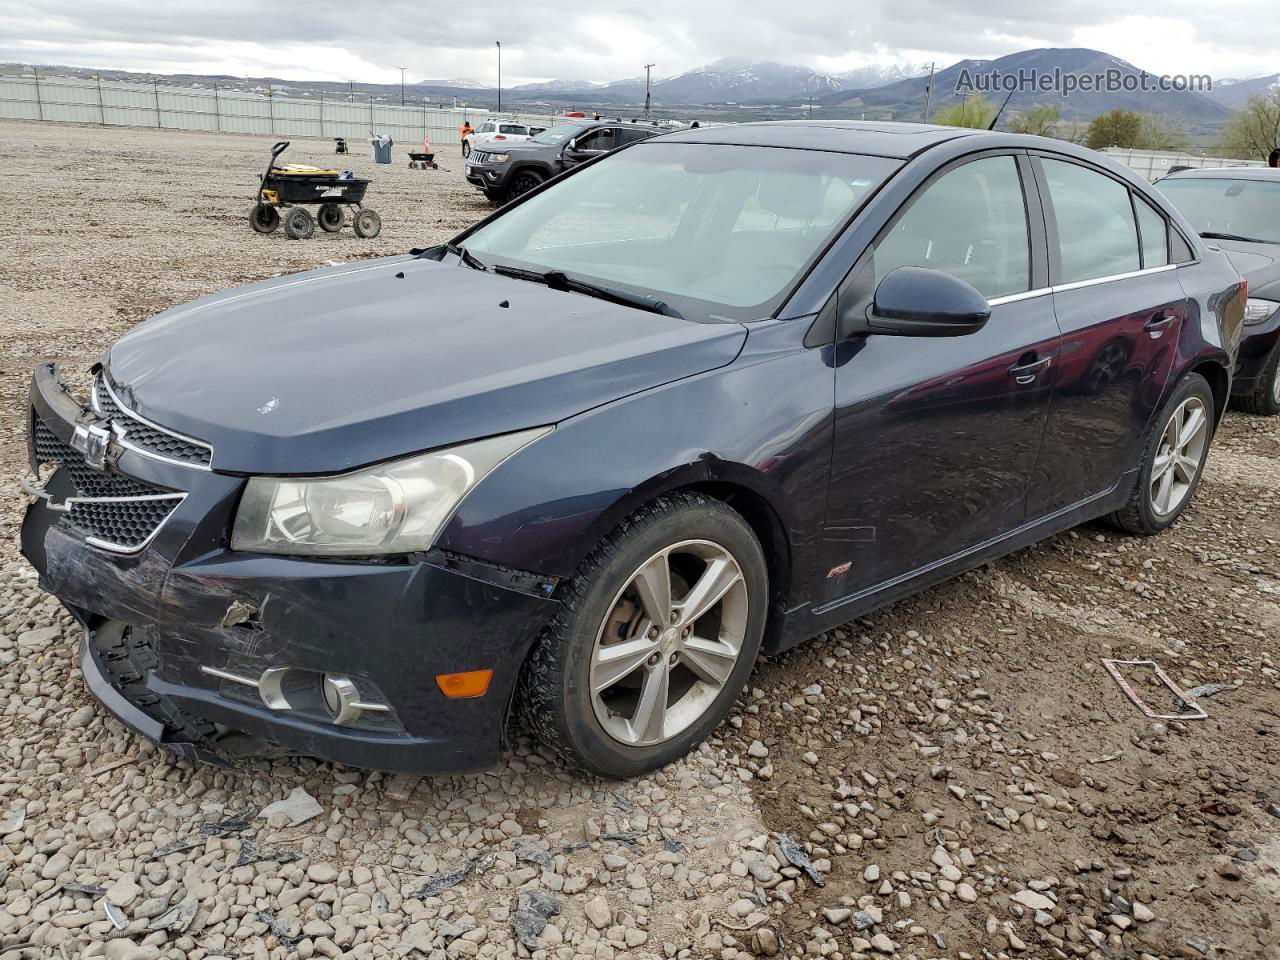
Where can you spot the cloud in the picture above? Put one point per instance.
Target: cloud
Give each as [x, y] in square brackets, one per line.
[328, 39]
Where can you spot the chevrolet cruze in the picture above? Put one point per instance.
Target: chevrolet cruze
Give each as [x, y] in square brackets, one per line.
[690, 403]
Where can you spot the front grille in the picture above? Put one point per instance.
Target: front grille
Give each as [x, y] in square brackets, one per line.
[128, 525]
[479, 156]
[111, 510]
[145, 437]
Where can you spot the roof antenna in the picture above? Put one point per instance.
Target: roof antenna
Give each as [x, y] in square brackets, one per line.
[996, 118]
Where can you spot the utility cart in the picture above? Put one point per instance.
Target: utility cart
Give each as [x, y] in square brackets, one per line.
[285, 190]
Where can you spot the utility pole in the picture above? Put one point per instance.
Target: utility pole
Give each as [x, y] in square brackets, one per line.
[648, 101]
[351, 91]
[499, 43]
[811, 106]
[402, 86]
[928, 94]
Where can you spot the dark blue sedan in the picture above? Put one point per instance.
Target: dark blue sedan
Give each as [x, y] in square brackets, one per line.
[687, 404]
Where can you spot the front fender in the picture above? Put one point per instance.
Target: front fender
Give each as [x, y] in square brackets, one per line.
[762, 425]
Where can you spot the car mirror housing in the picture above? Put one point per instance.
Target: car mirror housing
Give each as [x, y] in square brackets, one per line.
[918, 302]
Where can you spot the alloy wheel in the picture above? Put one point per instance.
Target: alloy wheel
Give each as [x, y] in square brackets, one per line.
[669, 643]
[1178, 456]
[1275, 385]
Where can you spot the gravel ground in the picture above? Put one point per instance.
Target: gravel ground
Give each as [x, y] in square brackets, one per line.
[954, 777]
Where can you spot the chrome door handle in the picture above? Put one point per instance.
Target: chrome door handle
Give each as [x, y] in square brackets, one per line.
[1025, 373]
[1158, 324]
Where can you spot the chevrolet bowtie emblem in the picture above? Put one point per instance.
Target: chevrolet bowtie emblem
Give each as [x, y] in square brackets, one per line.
[92, 441]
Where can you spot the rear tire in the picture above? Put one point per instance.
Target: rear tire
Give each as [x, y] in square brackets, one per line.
[596, 709]
[1174, 454]
[330, 217]
[264, 219]
[466, 149]
[298, 224]
[367, 224]
[1265, 399]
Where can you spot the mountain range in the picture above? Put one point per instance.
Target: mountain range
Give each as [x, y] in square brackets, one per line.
[740, 89]
[730, 81]
[904, 100]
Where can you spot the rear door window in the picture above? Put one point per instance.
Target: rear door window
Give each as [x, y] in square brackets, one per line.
[634, 135]
[1097, 234]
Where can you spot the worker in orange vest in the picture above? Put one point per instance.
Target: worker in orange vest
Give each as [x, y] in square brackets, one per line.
[464, 131]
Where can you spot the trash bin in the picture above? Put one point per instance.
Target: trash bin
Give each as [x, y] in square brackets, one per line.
[381, 149]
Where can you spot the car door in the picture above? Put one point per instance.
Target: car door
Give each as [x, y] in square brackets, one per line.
[936, 438]
[1121, 308]
[589, 145]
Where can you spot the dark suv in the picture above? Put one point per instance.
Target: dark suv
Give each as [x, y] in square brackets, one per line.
[506, 173]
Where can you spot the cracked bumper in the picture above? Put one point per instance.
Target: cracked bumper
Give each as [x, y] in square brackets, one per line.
[392, 627]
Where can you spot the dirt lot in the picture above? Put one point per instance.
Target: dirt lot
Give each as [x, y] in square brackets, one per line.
[964, 776]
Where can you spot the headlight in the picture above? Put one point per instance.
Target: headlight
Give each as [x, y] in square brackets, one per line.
[1257, 310]
[396, 507]
[499, 157]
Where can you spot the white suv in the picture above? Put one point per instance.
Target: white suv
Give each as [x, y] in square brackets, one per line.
[492, 131]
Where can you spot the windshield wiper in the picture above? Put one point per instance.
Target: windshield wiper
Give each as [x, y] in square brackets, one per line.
[466, 256]
[1211, 235]
[558, 280]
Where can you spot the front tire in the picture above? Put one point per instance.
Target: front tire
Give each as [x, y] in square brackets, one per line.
[1265, 399]
[523, 182]
[655, 638]
[1174, 455]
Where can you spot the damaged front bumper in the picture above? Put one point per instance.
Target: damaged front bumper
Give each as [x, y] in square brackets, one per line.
[331, 659]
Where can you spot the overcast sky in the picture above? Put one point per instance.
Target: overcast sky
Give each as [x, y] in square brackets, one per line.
[608, 40]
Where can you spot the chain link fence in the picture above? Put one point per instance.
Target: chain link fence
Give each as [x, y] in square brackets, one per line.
[126, 103]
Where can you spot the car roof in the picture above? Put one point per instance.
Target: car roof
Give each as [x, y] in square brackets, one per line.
[1227, 173]
[877, 138]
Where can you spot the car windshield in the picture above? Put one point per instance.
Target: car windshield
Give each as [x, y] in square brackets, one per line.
[1243, 208]
[716, 231]
[559, 133]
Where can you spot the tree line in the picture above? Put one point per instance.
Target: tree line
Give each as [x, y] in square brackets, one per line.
[1250, 133]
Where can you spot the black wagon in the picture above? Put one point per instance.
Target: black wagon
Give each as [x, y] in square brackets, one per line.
[284, 190]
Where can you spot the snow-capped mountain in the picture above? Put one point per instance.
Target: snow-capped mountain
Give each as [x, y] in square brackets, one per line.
[1236, 93]
[881, 75]
[558, 86]
[736, 81]
[463, 84]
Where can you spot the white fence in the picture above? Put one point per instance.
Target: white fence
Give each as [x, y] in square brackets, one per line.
[1154, 164]
[121, 103]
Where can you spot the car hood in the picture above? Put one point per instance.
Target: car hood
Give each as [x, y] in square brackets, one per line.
[328, 370]
[1259, 263]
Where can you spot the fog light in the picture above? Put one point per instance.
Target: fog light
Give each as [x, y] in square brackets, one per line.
[460, 686]
[341, 698]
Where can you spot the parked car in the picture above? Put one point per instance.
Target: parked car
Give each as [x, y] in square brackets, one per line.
[589, 459]
[496, 131]
[506, 172]
[1238, 210]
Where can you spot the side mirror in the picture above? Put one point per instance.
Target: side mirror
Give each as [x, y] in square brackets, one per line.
[572, 144]
[917, 302]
